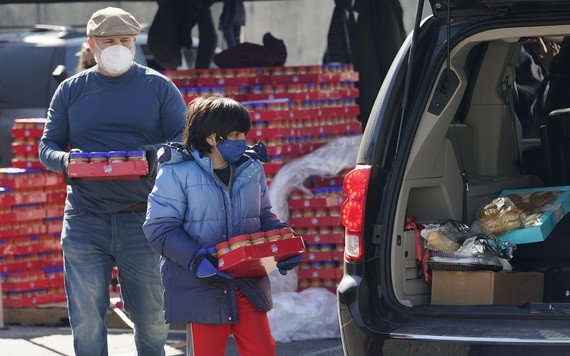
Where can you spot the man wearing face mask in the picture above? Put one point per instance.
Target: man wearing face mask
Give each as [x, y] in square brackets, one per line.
[115, 105]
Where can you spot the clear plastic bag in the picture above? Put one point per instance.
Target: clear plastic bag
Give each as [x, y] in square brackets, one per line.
[446, 236]
[326, 161]
[460, 248]
[500, 216]
[307, 315]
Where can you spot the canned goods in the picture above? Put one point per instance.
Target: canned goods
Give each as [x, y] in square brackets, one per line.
[138, 155]
[78, 157]
[222, 247]
[117, 156]
[258, 238]
[98, 157]
[272, 235]
[239, 241]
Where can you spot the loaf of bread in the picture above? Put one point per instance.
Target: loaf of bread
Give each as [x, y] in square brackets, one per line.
[437, 241]
[539, 199]
[500, 216]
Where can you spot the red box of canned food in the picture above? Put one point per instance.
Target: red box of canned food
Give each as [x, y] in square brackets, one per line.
[118, 165]
[128, 170]
[256, 260]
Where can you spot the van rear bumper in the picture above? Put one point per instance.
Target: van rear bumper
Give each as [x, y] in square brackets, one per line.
[528, 331]
[365, 332]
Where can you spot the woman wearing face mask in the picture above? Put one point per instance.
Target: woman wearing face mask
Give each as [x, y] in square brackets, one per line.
[210, 188]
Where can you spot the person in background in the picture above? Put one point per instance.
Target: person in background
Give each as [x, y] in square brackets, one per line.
[85, 58]
[210, 188]
[531, 83]
[170, 33]
[558, 89]
[379, 34]
[115, 105]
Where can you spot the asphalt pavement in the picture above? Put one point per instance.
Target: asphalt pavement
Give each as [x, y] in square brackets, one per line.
[24, 340]
[44, 331]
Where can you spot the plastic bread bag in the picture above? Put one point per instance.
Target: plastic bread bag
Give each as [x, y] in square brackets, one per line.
[488, 251]
[499, 216]
[486, 244]
[447, 236]
[479, 250]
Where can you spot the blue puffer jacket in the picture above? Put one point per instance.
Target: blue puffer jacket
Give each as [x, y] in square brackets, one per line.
[190, 208]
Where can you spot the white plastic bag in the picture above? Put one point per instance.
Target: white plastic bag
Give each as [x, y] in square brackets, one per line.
[286, 283]
[326, 161]
[311, 313]
[307, 315]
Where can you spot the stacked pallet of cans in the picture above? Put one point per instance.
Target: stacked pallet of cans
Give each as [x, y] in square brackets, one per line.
[294, 111]
[316, 216]
[31, 209]
[31, 216]
[26, 134]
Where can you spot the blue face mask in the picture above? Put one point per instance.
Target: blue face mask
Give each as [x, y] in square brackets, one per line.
[232, 150]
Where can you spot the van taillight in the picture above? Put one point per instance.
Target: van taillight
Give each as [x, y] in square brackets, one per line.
[355, 186]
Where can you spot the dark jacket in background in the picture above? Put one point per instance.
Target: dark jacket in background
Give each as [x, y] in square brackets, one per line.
[381, 32]
[231, 20]
[171, 30]
[342, 37]
[272, 53]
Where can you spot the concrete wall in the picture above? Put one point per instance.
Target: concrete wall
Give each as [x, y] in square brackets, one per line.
[301, 24]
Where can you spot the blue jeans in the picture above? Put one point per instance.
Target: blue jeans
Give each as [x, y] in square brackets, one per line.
[92, 244]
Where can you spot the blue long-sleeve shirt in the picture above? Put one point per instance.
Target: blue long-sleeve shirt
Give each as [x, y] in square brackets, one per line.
[93, 112]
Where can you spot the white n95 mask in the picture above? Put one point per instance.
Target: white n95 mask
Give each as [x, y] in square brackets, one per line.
[115, 59]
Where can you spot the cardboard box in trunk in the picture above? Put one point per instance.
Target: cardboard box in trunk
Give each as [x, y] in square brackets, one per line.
[485, 287]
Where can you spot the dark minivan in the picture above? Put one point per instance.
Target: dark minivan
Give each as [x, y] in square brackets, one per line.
[469, 124]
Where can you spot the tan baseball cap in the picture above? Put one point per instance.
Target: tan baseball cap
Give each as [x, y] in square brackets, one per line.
[111, 22]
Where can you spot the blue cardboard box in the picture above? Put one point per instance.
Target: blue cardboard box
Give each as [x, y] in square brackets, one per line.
[549, 217]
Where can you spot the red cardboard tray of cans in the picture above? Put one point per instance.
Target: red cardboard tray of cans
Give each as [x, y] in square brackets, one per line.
[118, 165]
[256, 255]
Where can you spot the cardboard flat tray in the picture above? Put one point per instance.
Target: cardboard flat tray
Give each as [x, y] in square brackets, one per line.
[549, 218]
[129, 170]
[258, 260]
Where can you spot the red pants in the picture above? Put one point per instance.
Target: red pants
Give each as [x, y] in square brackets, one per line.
[252, 334]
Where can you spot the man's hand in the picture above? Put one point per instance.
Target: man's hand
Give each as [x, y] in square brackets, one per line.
[545, 51]
[65, 163]
[151, 160]
[204, 265]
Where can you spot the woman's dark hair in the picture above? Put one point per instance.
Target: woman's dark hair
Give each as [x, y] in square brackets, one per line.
[208, 115]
